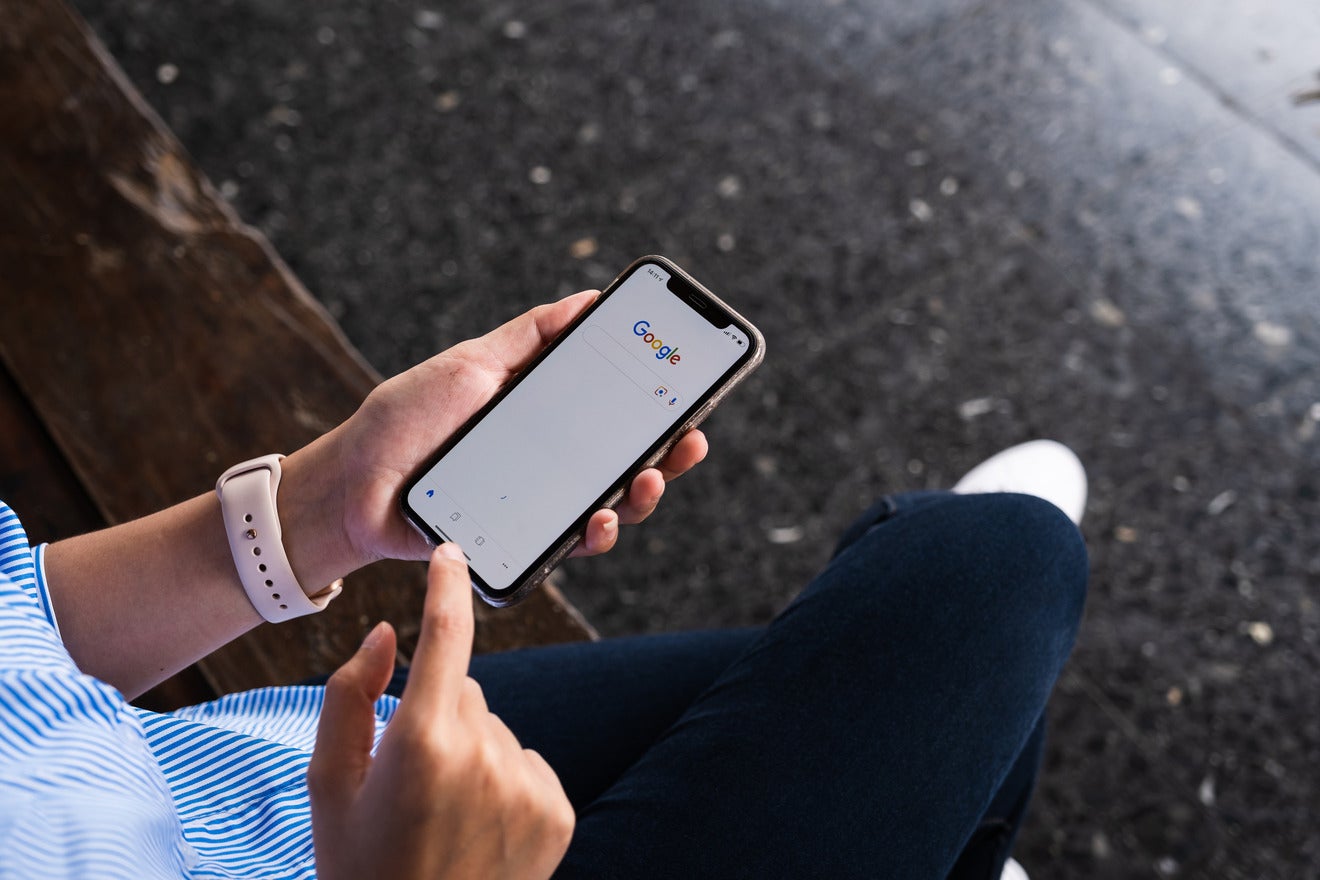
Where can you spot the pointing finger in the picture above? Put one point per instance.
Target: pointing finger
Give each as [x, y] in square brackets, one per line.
[444, 647]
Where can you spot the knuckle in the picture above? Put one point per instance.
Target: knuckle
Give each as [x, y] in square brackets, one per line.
[341, 684]
[414, 738]
[559, 822]
[567, 823]
[490, 755]
[472, 689]
[560, 810]
[433, 752]
[447, 622]
[485, 772]
[471, 694]
[339, 679]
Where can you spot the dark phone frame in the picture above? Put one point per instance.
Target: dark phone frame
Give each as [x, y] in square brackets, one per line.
[698, 298]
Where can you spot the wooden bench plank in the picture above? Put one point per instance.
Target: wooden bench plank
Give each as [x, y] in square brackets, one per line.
[37, 480]
[158, 339]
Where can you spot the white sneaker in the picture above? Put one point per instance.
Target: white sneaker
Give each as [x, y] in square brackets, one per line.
[1013, 871]
[1042, 468]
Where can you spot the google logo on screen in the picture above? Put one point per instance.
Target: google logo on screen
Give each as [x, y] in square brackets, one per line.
[662, 352]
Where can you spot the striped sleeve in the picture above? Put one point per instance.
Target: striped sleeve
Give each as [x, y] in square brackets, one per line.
[24, 566]
[16, 561]
[80, 792]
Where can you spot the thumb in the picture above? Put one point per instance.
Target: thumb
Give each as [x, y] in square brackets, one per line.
[347, 727]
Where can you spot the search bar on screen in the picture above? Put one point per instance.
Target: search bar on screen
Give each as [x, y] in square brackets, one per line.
[664, 394]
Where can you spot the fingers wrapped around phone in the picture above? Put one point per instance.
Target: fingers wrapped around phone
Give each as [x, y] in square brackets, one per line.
[647, 487]
[643, 495]
[600, 535]
[686, 454]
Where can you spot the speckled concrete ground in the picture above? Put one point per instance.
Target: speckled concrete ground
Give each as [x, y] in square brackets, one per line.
[960, 224]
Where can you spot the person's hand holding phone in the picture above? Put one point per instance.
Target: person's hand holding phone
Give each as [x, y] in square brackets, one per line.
[450, 793]
[400, 425]
[635, 372]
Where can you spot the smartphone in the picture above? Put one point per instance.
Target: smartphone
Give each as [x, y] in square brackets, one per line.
[516, 484]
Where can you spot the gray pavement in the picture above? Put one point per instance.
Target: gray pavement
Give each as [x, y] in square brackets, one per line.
[959, 224]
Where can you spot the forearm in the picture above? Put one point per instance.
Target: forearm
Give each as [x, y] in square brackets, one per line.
[140, 601]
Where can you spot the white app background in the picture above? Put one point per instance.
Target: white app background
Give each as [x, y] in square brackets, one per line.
[519, 479]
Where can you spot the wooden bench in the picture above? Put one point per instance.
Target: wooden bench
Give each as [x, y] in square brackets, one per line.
[136, 311]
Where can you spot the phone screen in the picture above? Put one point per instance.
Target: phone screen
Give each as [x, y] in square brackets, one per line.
[513, 487]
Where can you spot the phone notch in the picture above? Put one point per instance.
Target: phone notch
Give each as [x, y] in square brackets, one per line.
[697, 298]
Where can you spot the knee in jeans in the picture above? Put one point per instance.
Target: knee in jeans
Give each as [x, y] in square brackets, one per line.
[1033, 556]
[1003, 556]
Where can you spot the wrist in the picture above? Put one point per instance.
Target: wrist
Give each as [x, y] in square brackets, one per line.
[311, 501]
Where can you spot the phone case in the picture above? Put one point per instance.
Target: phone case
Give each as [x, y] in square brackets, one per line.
[521, 590]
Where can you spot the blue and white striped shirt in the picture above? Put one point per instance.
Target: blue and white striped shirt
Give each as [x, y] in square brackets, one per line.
[93, 787]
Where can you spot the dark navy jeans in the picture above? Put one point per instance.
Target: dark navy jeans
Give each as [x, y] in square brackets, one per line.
[887, 724]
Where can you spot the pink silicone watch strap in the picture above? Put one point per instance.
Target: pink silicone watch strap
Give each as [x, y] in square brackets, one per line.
[252, 524]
